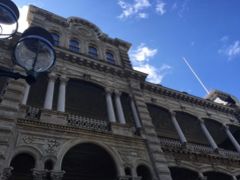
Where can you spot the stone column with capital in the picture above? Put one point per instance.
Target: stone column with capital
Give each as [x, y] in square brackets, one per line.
[118, 103]
[232, 138]
[39, 174]
[62, 94]
[178, 128]
[57, 175]
[135, 114]
[110, 109]
[208, 135]
[6, 173]
[50, 90]
[26, 93]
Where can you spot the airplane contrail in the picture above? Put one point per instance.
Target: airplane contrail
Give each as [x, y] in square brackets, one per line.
[195, 74]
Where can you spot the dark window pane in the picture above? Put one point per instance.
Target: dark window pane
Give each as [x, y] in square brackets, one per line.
[74, 45]
[110, 57]
[92, 51]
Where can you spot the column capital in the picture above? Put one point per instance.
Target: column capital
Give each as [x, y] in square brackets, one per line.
[6, 173]
[108, 90]
[39, 174]
[57, 175]
[173, 113]
[117, 92]
[52, 76]
[63, 78]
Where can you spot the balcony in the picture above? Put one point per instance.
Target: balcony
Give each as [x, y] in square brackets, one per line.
[37, 115]
[176, 146]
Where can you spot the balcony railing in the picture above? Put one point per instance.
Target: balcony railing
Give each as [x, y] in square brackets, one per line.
[33, 113]
[88, 123]
[196, 148]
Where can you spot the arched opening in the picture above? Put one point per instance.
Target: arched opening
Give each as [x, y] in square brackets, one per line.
[37, 91]
[88, 162]
[86, 99]
[127, 171]
[191, 128]
[219, 135]
[22, 167]
[161, 119]
[213, 175]
[48, 165]
[127, 110]
[178, 173]
[144, 172]
[235, 130]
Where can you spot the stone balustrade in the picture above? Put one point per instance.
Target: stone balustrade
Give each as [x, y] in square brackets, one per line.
[197, 148]
[87, 123]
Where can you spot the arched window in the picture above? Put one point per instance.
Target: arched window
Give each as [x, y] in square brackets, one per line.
[92, 51]
[22, 167]
[74, 45]
[110, 57]
[56, 38]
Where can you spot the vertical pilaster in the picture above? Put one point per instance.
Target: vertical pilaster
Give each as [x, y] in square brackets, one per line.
[208, 135]
[62, 94]
[178, 128]
[118, 103]
[50, 90]
[110, 109]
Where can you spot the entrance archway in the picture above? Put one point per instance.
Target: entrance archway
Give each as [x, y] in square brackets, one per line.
[88, 161]
[22, 167]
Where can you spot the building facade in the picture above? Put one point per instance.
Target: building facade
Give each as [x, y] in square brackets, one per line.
[93, 117]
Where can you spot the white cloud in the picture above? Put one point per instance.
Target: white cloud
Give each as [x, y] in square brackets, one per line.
[224, 39]
[143, 53]
[133, 9]
[141, 62]
[143, 15]
[231, 51]
[22, 22]
[155, 75]
[160, 7]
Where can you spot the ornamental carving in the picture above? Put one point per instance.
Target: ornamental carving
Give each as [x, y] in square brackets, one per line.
[49, 145]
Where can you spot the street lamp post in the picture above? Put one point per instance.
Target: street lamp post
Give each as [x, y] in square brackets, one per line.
[33, 52]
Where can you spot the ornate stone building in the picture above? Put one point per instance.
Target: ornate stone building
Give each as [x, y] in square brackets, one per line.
[95, 118]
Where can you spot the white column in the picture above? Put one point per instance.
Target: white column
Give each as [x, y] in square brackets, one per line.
[234, 178]
[50, 90]
[178, 129]
[201, 176]
[110, 109]
[135, 114]
[119, 108]
[208, 135]
[26, 93]
[232, 138]
[62, 94]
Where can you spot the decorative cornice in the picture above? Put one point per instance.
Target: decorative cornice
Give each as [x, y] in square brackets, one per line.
[98, 64]
[164, 91]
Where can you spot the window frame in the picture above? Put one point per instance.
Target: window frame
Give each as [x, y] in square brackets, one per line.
[75, 47]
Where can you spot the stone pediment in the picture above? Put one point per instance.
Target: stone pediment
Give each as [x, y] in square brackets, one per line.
[84, 28]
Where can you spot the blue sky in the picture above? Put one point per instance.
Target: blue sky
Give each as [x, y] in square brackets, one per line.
[205, 32]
